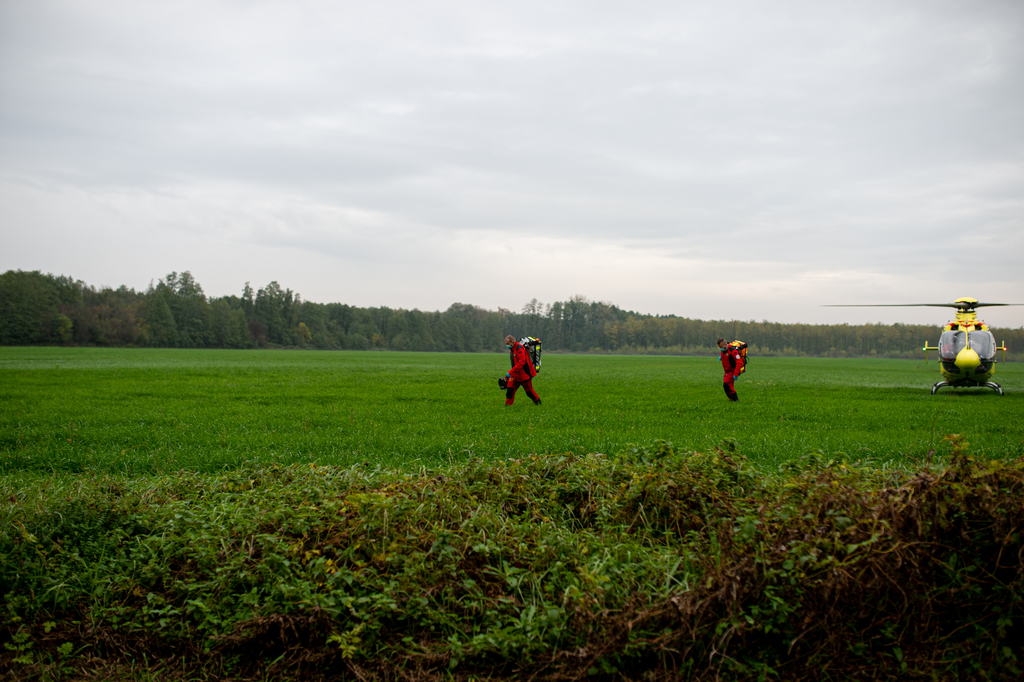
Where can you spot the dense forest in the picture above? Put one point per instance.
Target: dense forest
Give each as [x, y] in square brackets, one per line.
[38, 308]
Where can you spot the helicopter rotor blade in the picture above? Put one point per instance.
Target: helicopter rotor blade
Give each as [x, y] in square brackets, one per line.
[969, 306]
[891, 305]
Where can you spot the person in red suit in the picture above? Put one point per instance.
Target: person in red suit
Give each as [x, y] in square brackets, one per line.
[521, 374]
[731, 363]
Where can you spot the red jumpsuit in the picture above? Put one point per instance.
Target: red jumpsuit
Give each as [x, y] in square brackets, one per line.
[522, 372]
[731, 362]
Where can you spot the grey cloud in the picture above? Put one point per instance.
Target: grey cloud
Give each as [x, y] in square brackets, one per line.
[874, 136]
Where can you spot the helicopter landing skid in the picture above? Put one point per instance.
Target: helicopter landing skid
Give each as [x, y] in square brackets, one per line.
[995, 387]
[988, 384]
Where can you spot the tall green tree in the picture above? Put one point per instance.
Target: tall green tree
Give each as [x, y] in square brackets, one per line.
[275, 308]
[30, 307]
[192, 312]
[161, 328]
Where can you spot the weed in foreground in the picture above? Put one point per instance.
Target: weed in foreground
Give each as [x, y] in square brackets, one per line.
[656, 563]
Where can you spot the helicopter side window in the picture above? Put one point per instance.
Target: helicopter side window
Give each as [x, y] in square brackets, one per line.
[951, 343]
[984, 344]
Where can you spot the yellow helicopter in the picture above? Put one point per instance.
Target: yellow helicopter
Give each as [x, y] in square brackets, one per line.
[967, 349]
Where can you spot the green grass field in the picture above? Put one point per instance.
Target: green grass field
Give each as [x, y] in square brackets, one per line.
[171, 514]
[141, 411]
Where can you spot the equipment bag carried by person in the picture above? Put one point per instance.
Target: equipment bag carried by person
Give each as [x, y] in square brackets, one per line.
[532, 346]
[742, 348]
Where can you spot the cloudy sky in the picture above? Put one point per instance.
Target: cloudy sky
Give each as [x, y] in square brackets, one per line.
[746, 160]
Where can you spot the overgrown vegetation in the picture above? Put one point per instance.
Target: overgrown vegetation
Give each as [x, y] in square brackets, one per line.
[37, 308]
[652, 564]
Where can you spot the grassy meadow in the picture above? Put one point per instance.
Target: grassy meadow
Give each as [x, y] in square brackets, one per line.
[143, 411]
[210, 515]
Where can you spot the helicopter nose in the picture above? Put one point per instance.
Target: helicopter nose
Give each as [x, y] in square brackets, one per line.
[967, 359]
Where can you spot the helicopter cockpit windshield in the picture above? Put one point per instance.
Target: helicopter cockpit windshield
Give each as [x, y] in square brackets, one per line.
[951, 343]
[984, 344]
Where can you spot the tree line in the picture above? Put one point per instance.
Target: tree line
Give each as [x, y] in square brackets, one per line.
[46, 309]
